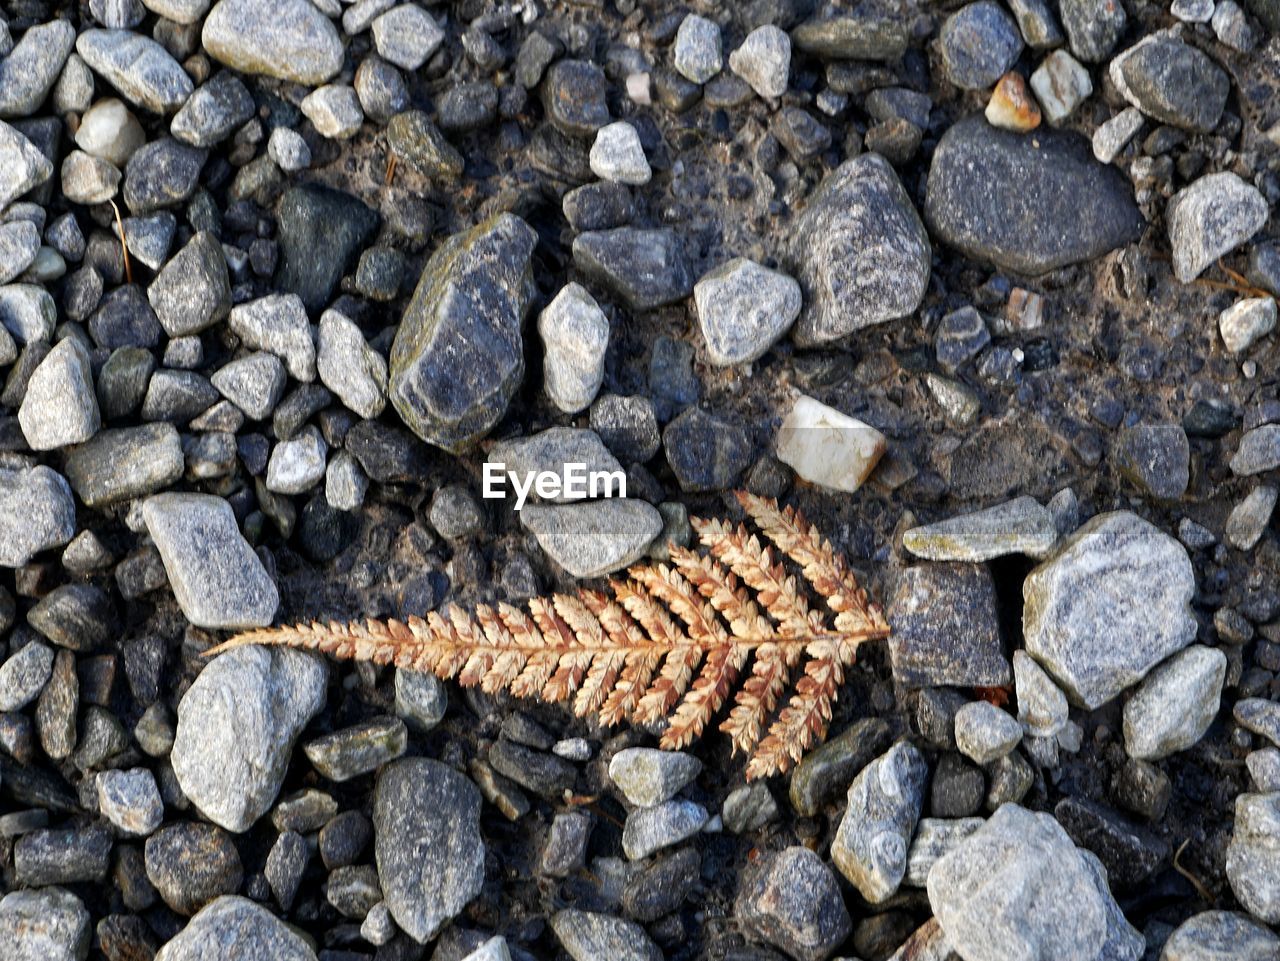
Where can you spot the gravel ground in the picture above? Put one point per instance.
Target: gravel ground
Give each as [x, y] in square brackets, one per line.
[1014, 265]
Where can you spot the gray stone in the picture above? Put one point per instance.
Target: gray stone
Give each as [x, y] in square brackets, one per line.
[27, 312]
[706, 452]
[1042, 707]
[430, 857]
[214, 111]
[149, 238]
[647, 776]
[551, 451]
[218, 580]
[233, 928]
[1174, 706]
[24, 166]
[945, 628]
[253, 383]
[357, 750]
[1253, 856]
[37, 512]
[627, 425]
[792, 900]
[345, 482]
[573, 96]
[406, 36]
[193, 291]
[124, 463]
[935, 837]
[1038, 23]
[60, 406]
[587, 936]
[455, 513]
[617, 155]
[24, 675]
[88, 180]
[349, 367]
[19, 243]
[278, 323]
[458, 355]
[29, 71]
[985, 733]
[1112, 136]
[130, 800]
[1221, 936]
[49, 924]
[289, 150]
[138, 67]
[287, 39]
[109, 130]
[1248, 520]
[764, 61]
[1260, 716]
[1155, 457]
[163, 173]
[1128, 853]
[1092, 26]
[1259, 451]
[322, 231]
[743, 310]
[861, 253]
[593, 538]
[1264, 768]
[1018, 887]
[884, 803]
[1014, 201]
[64, 855]
[236, 727]
[697, 54]
[860, 35]
[827, 770]
[419, 142]
[749, 808]
[1172, 82]
[1246, 322]
[334, 111]
[1019, 526]
[297, 464]
[646, 269]
[1110, 603]
[184, 12]
[1210, 218]
[979, 43]
[650, 829]
[575, 337]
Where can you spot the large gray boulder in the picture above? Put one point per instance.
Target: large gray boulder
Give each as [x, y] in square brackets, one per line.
[236, 929]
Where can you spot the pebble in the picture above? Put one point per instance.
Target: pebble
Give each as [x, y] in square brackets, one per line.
[407, 36]
[1172, 82]
[1220, 936]
[233, 928]
[861, 35]
[945, 628]
[1232, 27]
[426, 821]
[1112, 136]
[884, 804]
[289, 150]
[573, 96]
[1156, 458]
[110, 131]
[706, 452]
[349, 367]
[617, 155]
[1024, 216]
[214, 112]
[162, 173]
[130, 800]
[63, 856]
[1259, 451]
[575, 338]
[566, 849]
[1260, 716]
[446, 399]
[935, 837]
[1042, 707]
[826, 771]
[49, 924]
[548, 452]
[414, 138]
[1061, 84]
[289, 40]
[25, 166]
[231, 762]
[764, 61]
[216, 578]
[593, 538]
[792, 900]
[357, 750]
[697, 54]
[192, 864]
[1253, 856]
[286, 862]
[1092, 27]
[744, 309]
[334, 110]
[1093, 646]
[979, 43]
[19, 244]
[648, 777]
[1019, 526]
[37, 513]
[1129, 854]
[88, 180]
[27, 312]
[60, 407]
[1246, 322]
[321, 232]
[826, 447]
[138, 67]
[29, 71]
[193, 290]
[1192, 11]
[588, 936]
[278, 323]
[749, 808]
[1248, 520]
[1011, 106]
[985, 733]
[254, 383]
[297, 465]
[862, 255]
[1264, 768]
[24, 674]
[455, 513]
[650, 829]
[1019, 880]
[646, 269]
[345, 482]
[1174, 706]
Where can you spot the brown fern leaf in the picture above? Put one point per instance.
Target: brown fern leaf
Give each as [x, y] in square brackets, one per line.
[667, 642]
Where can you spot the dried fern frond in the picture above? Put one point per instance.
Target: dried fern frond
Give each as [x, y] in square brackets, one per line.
[668, 641]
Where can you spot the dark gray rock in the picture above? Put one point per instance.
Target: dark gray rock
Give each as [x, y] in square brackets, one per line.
[78, 617]
[160, 174]
[191, 864]
[63, 856]
[1155, 457]
[322, 231]
[646, 269]
[357, 750]
[826, 771]
[1172, 82]
[124, 318]
[426, 820]
[860, 251]
[286, 862]
[416, 140]
[458, 355]
[573, 95]
[792, 900]
[979, 43]
[863, 34]
[1130, 853]
[118, 465]
[214, 111]
[706, 452]
[1017, 201]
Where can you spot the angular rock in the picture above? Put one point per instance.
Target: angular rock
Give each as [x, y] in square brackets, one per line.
[1130, 854]
[322, 231]
[1172, 82]
[37, 512]
[128, 462]
[823, 773]
[1253, 856]
[138, 67]
[1019, 526]
[861, 253]
[49, 924]
[357, 750]
[792, 900]
[297, 464]
[1259, 451]
[1110, 603]
[593, 538]
[985, 733]
[575, 337]
[214, 112]
[278, 323]
[1210, 218]
[1042, 707]
[288, 39]
[743, 309]
[24, 166]
[29, 71]
[587, 936]
[1221, 936]
[1155, 457]
[1061, 84]
[236, 929]
[1246, 322]
[1248, 520]
[979, 43]
[697, 54]
[19, 244]
[458, 356]
[130, 800]
[415, 139]
[999, 198]
[550, 452]
[573, 95]
[647, 269]
[648, 776]
[1174, 706]
[1092, 27]
[935, 837]
[617, 155]
[651, 829]
[193, 291]
[253, 383]
[407, 36]
[349, 367]
[764, 61]
[60, 406]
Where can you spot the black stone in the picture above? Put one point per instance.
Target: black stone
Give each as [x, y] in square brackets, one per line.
[1130, 853]
[322, 231]
[705, 452]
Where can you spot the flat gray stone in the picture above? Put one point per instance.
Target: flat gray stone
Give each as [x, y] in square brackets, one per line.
[587, 936]
[646, 269]
[24, 674]
[1172, 82]
[236, 728]
[1175, 704]
[1259, 451]
[593, 538]
[551, 451]
[123, 463]
[647, 776]
[1109, 604]
[287, 39]
[218, 580]
[1019, 526]
[650, 829]
[137, 66]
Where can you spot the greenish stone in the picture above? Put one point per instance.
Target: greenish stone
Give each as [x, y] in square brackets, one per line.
[828, 771]
[414, 139]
